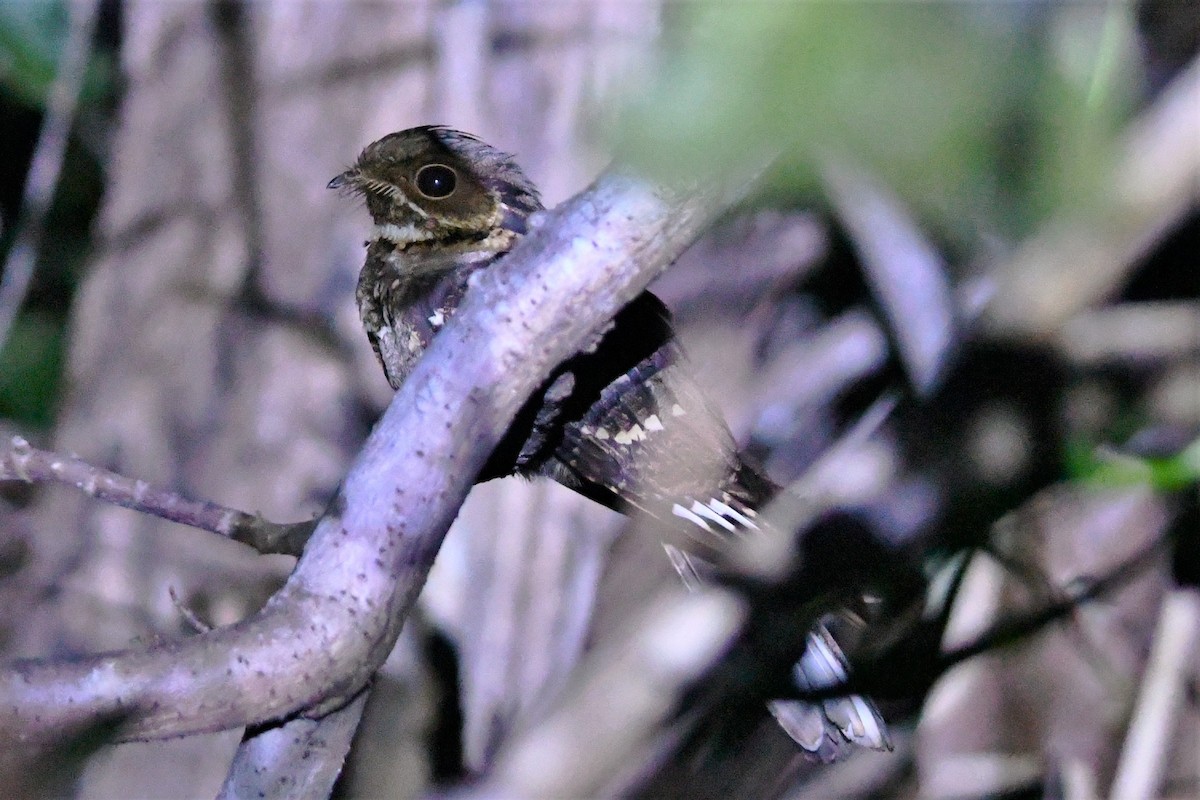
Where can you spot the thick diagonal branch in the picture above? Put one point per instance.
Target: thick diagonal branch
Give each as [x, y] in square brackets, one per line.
[326, 631]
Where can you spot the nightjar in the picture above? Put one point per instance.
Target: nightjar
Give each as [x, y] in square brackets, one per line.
[621, 422]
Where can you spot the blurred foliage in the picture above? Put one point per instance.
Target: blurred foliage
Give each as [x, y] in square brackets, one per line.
[1104, 469]
[985, 117]
[32, 37]
[30, 366]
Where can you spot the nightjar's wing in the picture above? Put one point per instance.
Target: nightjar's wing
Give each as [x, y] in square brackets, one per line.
[652, 440]
[647, 438]
[402, 313]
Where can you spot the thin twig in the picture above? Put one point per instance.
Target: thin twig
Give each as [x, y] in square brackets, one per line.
[46, 165]
[22, 462]
[1143, 761]
[189, 616]
[869, 676]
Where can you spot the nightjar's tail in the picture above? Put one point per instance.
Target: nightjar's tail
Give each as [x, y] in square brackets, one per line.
[828, 729]
[647, 438]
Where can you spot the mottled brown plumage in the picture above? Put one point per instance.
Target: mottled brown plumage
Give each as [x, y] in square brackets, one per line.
[423, 246]
[621, 422]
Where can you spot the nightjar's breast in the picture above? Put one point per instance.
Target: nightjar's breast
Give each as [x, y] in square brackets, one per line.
[402, 311]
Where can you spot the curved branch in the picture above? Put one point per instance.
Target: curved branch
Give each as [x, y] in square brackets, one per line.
[318, 640]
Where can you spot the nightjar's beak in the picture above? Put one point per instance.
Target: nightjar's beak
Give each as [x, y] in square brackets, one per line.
[349, 178]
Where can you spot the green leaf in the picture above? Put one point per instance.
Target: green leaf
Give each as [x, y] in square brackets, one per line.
[30, 369]
[32, 37]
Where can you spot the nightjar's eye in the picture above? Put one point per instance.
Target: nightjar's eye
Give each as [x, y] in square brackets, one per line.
[436, 181]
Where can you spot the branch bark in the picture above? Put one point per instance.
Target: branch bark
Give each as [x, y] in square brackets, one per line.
[298, 760]
[319, 639]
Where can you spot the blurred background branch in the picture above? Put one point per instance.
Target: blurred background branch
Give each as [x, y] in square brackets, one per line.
[46, 165]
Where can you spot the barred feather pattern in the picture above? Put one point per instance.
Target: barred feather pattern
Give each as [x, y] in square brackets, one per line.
[652, 440]
[646, 438]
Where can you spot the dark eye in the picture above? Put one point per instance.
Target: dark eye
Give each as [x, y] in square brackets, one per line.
[436, 181]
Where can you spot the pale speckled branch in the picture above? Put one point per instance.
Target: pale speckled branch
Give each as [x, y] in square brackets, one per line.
[319, 639]
[20, 461]
[297, 760]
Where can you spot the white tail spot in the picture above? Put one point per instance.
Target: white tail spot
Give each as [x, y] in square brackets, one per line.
[733, 514]
[704, 511]
[683, 513]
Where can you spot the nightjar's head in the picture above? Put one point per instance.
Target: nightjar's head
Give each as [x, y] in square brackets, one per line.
[434, 186]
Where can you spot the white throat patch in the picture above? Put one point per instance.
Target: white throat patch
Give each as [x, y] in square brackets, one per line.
[399, 235]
